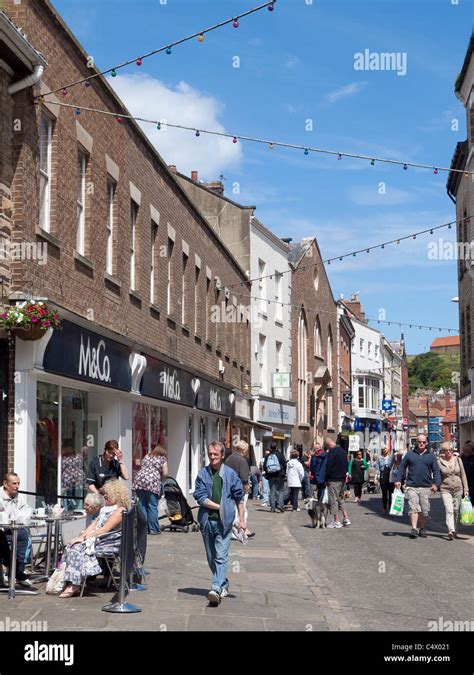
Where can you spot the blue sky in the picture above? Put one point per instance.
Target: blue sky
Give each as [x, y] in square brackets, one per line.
[297, 63]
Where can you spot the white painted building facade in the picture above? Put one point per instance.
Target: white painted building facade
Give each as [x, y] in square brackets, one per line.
[270, 339]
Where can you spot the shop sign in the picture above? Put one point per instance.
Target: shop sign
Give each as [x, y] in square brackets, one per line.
[167, 383]
[214, 399]
[276, 413]
[83, 355]
[242, 407]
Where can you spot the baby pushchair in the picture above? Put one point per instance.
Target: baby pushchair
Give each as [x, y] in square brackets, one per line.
[179, 511]
[371, 485]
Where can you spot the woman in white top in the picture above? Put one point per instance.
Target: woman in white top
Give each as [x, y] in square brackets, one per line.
[294, 475]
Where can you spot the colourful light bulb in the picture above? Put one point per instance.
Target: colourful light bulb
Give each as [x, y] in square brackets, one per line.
[270, 146]
[139, 62]
[201, 38]
[119, 119]
[198, 133]
[168, 51]
[383, 246]
[271, 7]
[236, 23]
[431, 231]
[414, 236]
[234, 140]
[78, 111]
[372, 162]
[435, 172]
[158, 126]
[306, 151]
[405, 167]
[113, 73]
[64, 92]
[339, 156]
[87, 83]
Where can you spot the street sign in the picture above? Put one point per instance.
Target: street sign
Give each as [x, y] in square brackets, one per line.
[347, 397]
[387, 404]
[353, 443]
[405, 421]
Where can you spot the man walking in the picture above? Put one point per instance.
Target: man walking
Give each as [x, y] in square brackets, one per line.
[218, 490]
[239, 462]
[274, 468]
[423, 479]
[336, 473]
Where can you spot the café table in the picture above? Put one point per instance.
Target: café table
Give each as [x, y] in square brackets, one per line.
[52, 545]
[12, 590]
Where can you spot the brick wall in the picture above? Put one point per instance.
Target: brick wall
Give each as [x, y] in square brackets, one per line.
[80, 285]
[305, 296]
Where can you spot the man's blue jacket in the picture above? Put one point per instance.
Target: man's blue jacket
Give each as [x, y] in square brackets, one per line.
[232, 495]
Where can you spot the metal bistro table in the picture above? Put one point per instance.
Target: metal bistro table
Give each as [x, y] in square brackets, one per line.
[11, 590]
[50, 521]
[52, 550]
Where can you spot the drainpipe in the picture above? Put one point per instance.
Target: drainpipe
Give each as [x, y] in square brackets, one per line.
[27, 81]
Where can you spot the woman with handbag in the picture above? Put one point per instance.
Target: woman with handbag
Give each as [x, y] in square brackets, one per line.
[148, 484]
[453, 486]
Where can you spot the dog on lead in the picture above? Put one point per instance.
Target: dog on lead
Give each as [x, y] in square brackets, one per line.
[318, 512]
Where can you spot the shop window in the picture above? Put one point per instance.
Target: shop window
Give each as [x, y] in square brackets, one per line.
[150, 424]
[75, 451]
[47, 432]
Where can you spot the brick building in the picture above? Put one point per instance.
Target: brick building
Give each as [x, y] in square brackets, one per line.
[346, 334]
[313, 345]
[461, 192]
[446, 345]
[131, 265]
[265, 257]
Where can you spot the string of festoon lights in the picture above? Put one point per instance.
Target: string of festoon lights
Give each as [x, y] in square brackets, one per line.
[138, 60]
[354, 254]
[306, 149]
[320, 310]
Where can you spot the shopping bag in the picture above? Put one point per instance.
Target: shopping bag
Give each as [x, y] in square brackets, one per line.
[325, 499]
[163, 507]
[466, 514]
[398, 501]
[56, 582]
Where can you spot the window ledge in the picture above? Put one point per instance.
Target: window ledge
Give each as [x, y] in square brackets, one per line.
[84, 261]
[135, 295]
[279, 322]
[304, 425]
[50, 238]
[154, 309]
[108, 278]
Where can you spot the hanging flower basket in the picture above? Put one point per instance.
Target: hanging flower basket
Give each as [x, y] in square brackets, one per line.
[29, 320]
[33, 332]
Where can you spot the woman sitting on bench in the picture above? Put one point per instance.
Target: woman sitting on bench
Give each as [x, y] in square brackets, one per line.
[81, 552]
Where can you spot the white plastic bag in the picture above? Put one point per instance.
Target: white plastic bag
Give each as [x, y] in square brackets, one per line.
[466, 515]
[325, 499]
[398, 502]
[56, 583]
[163, 507]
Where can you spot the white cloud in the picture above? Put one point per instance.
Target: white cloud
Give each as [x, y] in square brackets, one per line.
[344, 92]
[149, 98]
[291, 61]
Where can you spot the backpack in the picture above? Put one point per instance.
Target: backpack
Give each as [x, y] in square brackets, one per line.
[273, 464]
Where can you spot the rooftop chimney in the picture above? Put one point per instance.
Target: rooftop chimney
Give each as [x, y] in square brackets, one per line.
[287, 240]
[172, 168]
[216, 186]
[194, 176]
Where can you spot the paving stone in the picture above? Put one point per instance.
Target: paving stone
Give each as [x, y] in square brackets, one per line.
[216, 622]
